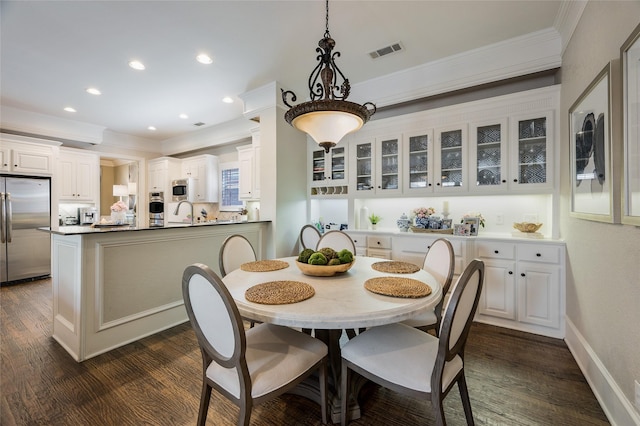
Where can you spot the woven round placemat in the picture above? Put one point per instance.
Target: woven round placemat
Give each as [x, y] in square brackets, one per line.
[395, 267]
[398, 287]
[279, 292]
[264, 265]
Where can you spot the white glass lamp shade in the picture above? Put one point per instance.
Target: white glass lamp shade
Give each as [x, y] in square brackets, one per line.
[120, 190]
[327, 126]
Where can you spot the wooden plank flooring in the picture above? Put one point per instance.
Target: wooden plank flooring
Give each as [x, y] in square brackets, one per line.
[514, 378]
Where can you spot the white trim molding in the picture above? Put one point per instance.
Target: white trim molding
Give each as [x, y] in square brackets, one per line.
[618, 409]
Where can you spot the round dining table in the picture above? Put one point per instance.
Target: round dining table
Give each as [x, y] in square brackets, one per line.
[340, 302]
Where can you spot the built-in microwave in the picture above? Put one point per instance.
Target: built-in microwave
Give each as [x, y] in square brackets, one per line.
[183, 189]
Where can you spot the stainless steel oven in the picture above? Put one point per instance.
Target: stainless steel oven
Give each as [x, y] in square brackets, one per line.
[156, 209]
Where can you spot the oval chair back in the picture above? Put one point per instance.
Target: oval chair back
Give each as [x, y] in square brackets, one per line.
[235, 251]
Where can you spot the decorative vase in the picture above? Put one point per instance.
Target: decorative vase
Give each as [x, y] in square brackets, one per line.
[403, 223]
[119, 218]
[422, 222]
[374, 226]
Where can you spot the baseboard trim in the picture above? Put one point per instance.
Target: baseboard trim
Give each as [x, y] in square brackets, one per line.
[614, 403]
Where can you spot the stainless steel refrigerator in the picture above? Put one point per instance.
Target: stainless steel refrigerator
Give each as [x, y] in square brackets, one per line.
[25, 252]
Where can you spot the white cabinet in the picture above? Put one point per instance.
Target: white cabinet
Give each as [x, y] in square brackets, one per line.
[328, 168]
[204, 170]
[379, 246]
[26, 158]
[78, 176]
[412, 247]
[160, 172]
[523, 286]
[530, 165]
[488, 156]
[417, 171]
[376, 165]
[450, 163]
[249, 165]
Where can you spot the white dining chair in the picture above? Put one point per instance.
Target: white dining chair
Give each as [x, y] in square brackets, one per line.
[337, 240]
[247, 367]
[309, 237]
[439, 262]
[235, 251]
[407, 360]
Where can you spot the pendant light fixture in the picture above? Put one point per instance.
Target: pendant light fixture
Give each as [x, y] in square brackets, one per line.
[328, 116]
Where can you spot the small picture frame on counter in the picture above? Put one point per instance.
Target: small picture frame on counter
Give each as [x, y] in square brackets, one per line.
[462, 229]
[474, 224]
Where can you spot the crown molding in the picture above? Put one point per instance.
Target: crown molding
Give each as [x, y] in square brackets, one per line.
[567, 19]
[538, 51]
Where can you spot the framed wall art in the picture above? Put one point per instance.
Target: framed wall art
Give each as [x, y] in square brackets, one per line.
[591, 157]
[630, 62]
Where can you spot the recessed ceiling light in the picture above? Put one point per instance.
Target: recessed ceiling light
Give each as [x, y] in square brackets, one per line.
[93, 91]
[183, 116]
[227, 100]
[203, 58]
[137, 65]
[152, 128]
[69, 109]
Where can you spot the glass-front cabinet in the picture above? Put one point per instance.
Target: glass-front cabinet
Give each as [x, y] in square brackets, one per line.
[377, 165]
[450, 160]
[487, 156]
[531, 153]
[418, 162]
[329, 168]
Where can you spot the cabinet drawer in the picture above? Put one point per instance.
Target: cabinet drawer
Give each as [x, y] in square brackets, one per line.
[359, 240]
[379, 242]
[496, 250]
[379, 253]
[545, 253]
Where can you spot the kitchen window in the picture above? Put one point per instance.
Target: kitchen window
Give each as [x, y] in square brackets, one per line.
[229, 187]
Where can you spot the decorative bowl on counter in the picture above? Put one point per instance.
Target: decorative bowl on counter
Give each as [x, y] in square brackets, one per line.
[527, 226]
[324, 270]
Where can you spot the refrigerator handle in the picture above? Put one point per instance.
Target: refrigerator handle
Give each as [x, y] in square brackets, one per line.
[3, 214]
[8, 216]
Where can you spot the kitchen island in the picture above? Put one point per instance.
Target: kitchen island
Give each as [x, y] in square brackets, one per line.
[116, 285]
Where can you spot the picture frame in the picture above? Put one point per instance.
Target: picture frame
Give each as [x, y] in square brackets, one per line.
[630, 64]
[473, 223]
[461, 229]
[591, 156]
[446, 223]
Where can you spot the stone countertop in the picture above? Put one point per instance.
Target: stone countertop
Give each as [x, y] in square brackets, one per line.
[84, 230]
[515, 235]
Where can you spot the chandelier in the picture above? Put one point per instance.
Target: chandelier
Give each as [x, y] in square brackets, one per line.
[328, 116]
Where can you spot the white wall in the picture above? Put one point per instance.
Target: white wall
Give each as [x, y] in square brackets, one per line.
[603, 279]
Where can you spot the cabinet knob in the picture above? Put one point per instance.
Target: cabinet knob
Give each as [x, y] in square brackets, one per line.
[438, 184]
[504, 181]
[539, 254]
[428, 247]
[355, 241]
[429, 184]
[496, 251]
[378, 242]
[515, 180]
[510, 272]
[379, 187]
[522, 274]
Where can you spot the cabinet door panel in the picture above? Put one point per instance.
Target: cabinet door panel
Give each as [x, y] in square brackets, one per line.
[417, 173]
[498, 292]
[488, 156]
[539, 290]
[530, 165]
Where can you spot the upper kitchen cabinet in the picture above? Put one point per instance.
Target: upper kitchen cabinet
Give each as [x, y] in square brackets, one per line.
[450, 162]
[78, 173]
[249, 165]
[418, 176]
[488, 156]
[161, 171]
[531, 153]
[204, 170]
[376, 166]
[328, 168]
[26, 158]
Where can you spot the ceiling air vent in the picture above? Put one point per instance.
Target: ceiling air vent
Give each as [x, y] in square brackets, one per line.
[393, 48]
[198, 124]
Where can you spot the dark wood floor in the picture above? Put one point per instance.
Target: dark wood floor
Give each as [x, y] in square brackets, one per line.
[514, 379]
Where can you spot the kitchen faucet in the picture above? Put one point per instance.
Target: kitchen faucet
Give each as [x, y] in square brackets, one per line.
[190, 205]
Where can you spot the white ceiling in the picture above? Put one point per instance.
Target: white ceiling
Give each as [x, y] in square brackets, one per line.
[51, 51]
